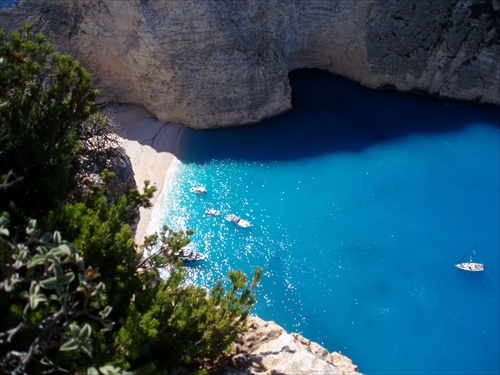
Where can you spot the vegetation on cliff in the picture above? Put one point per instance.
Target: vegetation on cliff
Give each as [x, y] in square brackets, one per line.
[80, 295]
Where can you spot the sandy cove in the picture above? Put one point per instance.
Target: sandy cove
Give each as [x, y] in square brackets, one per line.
[152, 146]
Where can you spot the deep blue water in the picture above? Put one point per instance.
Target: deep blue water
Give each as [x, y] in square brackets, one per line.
[361, 202]
[7, 4]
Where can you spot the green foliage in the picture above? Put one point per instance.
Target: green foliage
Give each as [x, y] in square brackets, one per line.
[107, 370]
[169, 323]
[51, 293]
[181, 324]
[100, 229]
[161, 250]
[44, 98]
[51, 305]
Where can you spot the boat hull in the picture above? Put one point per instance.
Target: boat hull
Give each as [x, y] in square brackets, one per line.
[238, 221]
[198, 190]
[470, 267]
[190, 255]
[212, 212]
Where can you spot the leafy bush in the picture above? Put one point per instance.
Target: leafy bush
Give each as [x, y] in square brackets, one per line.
[183, 324]
[51, 298]
[44, 99]
[52, 305]
[100, 229]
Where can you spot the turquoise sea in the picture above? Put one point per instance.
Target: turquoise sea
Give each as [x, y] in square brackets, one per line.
[361, 203]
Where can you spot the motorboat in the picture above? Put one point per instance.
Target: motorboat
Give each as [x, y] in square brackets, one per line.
[198, 190]
[470, 265]
[191, 255]
[213, 212]
[238, 221]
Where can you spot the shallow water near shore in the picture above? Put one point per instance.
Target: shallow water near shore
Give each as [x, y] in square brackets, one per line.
[361, 202]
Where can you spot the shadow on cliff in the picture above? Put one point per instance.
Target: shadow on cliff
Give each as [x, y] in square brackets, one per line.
[333, 114]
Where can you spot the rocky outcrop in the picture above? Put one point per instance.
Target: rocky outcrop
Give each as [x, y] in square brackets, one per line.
[267, 349]
[223, 62]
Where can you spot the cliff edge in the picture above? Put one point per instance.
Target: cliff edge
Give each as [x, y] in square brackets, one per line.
[267, 349]
[222, 62]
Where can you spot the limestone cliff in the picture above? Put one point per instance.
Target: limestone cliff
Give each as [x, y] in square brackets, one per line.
[267, 349]
[223, 62]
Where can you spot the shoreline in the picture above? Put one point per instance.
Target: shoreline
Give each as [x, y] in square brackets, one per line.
[152, 146]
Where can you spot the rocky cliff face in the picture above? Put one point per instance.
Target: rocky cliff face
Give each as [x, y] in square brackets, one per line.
[223, 62]
[267, 349]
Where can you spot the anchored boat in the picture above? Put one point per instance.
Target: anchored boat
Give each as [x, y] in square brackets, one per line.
[198, 190]
[212, 211]
[238, 221]
[470, 266]
[191, 255]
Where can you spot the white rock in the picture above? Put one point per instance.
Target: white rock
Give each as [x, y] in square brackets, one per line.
[221, 63]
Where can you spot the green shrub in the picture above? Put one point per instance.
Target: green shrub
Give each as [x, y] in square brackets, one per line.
[100, 228]
[44, 98]
[52, 305]
[182, 324]
[50, 301]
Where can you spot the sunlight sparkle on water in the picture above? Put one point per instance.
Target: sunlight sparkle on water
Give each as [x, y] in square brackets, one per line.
[358, 228]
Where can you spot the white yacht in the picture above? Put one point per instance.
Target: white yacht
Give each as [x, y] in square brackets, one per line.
[238, 221]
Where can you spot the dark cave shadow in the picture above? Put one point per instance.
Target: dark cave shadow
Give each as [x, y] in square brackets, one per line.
[333, 114]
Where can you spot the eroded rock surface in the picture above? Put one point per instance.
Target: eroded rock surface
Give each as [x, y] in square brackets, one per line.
[268, 349]
[223, 62]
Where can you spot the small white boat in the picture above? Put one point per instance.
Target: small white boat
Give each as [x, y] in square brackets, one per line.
[470, 266]
[198, 190]
[191, 255]
[238, 221]
[213, 212]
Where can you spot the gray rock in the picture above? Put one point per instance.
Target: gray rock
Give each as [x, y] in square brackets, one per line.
[267, 349]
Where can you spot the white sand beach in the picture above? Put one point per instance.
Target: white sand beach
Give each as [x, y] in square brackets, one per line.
[152, 146]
